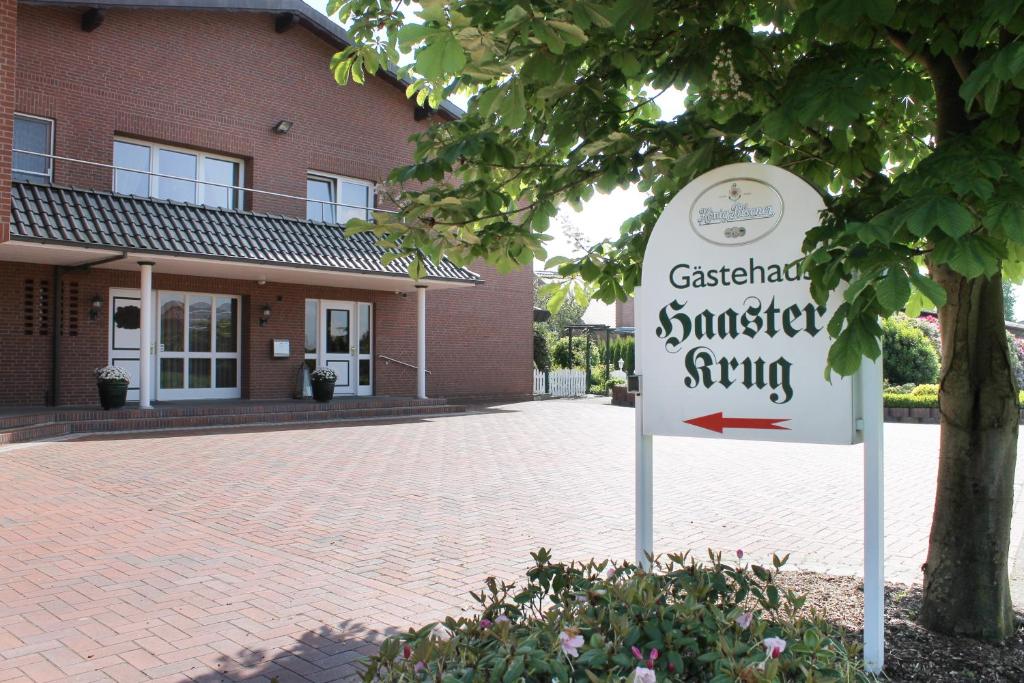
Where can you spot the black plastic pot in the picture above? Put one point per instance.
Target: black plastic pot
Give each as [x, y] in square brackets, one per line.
[112, 394]
[323, 390]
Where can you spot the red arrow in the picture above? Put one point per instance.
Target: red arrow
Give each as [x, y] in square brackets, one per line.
[716, 422]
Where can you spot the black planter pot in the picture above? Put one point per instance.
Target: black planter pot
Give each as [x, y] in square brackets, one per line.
[112, 394]
[323, 391]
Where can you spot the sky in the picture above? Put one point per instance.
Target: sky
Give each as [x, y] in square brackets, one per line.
[604, 213]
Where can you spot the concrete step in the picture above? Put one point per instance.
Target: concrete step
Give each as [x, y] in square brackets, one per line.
[101, 422]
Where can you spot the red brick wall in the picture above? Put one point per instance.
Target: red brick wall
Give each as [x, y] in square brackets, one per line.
[624, 313]
[219, 81]
[8, 41]
[469, 352]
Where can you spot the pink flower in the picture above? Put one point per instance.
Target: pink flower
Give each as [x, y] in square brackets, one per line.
[486, 623]
[637, 653]
[653, 657]
[739, 554]
[743, 620]
[610, 573]
[570, 643]
[642, 675]
[406, 651]
[419, 667]
[501, 619]
[773, 647]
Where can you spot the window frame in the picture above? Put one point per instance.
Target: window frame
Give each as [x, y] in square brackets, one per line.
[237, 195]
[50, 160]
[336, 180]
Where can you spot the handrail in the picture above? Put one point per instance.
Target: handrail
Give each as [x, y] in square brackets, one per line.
[241, 188]
[400, 362]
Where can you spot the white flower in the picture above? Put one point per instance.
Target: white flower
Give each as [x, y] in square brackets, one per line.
[441, 632]
[773, 647]
[743, 620]
[570, 643]
[324, 373]
[642, 675]
[112, 373]
[501, 619]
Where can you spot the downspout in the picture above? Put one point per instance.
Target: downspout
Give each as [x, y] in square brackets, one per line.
[56, 330]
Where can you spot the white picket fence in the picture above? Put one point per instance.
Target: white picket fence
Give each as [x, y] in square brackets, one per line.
[561, 382]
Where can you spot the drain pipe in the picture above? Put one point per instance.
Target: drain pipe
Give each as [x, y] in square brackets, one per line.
[56, 329]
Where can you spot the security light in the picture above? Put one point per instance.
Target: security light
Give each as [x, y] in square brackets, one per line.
[282, 127]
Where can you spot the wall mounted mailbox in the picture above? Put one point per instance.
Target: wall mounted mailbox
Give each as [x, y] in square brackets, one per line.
[282, 348]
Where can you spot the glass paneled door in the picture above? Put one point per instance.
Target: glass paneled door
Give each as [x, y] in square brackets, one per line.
[198, 339]
[338, 343]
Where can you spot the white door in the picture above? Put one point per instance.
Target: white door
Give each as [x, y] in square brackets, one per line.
[198, 340]
[124, 335]
[337, 343]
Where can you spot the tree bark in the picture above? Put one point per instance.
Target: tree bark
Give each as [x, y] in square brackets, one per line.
[966, 577]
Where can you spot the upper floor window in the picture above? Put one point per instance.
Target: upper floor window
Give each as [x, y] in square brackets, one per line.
[150, 170]
[334, 199]
[32, 134]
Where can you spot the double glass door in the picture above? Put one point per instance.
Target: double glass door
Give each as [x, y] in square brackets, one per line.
[198, 343]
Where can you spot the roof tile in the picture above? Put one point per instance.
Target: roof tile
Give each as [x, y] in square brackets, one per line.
[103, 219]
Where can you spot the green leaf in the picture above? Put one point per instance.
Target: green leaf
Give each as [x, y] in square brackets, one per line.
[931, 289]
[1005, 216]
[971, 257]
[893, 290]
[441, 56]
[935, 210]
[513, 107]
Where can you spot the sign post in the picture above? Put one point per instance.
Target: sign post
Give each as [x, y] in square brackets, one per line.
[730, 344]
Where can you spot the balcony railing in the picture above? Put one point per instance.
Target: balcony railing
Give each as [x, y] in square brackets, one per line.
[238, 188]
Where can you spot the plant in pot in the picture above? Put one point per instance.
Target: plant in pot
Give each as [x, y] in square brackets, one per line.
[112, 383]
[323, 379]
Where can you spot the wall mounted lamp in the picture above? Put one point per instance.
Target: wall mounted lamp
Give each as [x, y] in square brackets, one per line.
[282, 127]
[94, 307]
[265, 315]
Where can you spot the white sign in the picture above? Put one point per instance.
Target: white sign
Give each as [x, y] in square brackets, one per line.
[733, 345]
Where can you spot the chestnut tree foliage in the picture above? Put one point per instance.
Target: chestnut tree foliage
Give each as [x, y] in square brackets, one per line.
[906, 115]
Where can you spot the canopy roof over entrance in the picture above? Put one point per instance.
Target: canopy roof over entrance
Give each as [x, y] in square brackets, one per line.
[202, 240]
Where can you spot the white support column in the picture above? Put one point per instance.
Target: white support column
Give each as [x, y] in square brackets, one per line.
[874, 518]
[421, 341]
[146, 336]
[644, 461]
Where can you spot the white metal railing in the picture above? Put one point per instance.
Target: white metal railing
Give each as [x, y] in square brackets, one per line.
[240, 188]
[562, 382]
[389, 359]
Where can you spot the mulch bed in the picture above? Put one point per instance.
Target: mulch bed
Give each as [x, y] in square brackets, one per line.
[911, 653]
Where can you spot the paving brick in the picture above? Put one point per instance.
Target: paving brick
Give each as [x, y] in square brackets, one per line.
[249, 554]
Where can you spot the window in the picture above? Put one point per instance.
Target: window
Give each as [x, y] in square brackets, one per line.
[334, 199]
[143, 170]
[32, 134]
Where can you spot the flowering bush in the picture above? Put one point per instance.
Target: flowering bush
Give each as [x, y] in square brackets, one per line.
[323, 374]
[908, 354]
[600, 622]
[113, 375]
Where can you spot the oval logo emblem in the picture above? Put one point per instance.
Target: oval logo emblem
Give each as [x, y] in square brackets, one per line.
[736, 211]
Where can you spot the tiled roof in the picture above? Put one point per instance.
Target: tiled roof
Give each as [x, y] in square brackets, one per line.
[46, 213]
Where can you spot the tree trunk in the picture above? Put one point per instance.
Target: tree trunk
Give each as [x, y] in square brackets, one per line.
[966, 577]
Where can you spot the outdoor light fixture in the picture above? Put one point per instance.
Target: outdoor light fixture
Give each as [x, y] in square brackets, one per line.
[94, 307]
[282, 127]
[265, 315]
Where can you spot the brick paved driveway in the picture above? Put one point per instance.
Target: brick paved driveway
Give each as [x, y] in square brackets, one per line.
[253, 554]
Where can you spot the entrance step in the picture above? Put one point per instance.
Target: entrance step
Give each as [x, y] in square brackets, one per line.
[57, 423]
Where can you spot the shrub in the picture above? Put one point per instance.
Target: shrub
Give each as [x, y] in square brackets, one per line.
[541, 353]
[686, 621]
[560, 353]
[910, 400]
[909, 357]
[925, 389]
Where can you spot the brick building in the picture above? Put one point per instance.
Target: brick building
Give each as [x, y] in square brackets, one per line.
[177, 179]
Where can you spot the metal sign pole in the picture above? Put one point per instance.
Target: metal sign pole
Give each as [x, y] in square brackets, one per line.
[644, 476]
[874, 526]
